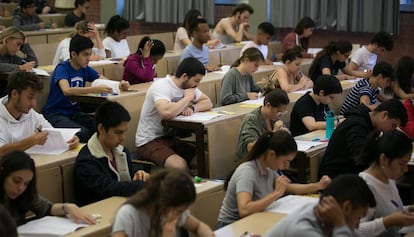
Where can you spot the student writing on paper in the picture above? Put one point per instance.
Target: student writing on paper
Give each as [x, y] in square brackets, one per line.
[84, 28]
[160, 208]
[343, 203]
[140, 66]
[21, 126]
[265, 118]
[18, 192]
[238, 84]
[12, 41]
[370, 91]
[308, 113]
[289, 77]
[345, 145]
[388, 154]
[70, 78]
[300, 37]
[165, 99]
[103, 167]
[255, 184]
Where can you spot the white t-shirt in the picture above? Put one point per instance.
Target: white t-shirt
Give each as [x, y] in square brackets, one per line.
[364, 59]
[118, 49]
[263, 48]
[180, 35]
[149, 126]
[136, 222]
[62, 52]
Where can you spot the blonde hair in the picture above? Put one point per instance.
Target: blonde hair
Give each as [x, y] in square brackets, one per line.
[11, 33]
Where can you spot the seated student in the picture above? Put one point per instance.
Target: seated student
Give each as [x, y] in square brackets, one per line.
[289, 77]
[404, 74]
[116, 45]
[345, 144]
[78, 14]
[388, 154]
[364, 59]
[12, 40]
[21, 126]
[200, 32]
[165, 99]
[160, 208]
[255, 183]
[300, 37]
[264, 118]
[140, 66]
[342, 205]
[83, 28]
[27, 19]
[7, 224]
[183, 37]
[18, 192]
[264, 33]
[332, 58]
[103, 167]
[237, 84]
[69, 78]
[234, 28]
[409, 127]
[368, 90]
[308, 113]
[43, 7]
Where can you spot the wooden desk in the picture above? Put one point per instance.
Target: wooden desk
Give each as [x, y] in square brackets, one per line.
[258, 223]
[107, 208]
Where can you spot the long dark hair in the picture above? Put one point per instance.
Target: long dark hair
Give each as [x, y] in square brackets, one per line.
[404, 72]
[190, 16]
[304, 23]
[9, 163]
[343, 46]
[158, 49]
[166, 188]
[281, 142]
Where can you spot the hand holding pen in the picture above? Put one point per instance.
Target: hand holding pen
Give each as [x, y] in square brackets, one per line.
[27, 66]
[39, 137]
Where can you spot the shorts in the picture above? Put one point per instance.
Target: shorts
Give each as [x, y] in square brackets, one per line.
[160, 149]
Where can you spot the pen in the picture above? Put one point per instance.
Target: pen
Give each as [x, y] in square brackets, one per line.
[279, 172]
[395, 203]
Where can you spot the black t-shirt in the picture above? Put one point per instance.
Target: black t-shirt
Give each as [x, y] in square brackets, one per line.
[326, 62]
[71, 19]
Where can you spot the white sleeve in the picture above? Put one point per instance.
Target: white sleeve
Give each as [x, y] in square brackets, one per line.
[124, 220]
[371, 227]
[357, 57]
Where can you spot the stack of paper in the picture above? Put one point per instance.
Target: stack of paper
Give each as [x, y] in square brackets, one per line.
[198, 117]
[291, 203]
[307, 146]
[56, 142]
[49, 226]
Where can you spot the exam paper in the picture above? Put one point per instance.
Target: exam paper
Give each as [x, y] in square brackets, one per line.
[199, 116]
[56, 141]
[291, 203]
[48, 226]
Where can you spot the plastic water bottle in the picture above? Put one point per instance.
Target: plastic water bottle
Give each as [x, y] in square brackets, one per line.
[329, 124]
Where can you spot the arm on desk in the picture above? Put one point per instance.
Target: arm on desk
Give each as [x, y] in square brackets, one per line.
[311, 124]
[198, 227]
[352, 69]
[203, 104]
[300, 189]
[68, 91]
[78, 216]
[38, 138]
[364, 99]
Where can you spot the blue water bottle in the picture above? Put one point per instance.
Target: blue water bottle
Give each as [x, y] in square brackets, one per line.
[329, 124]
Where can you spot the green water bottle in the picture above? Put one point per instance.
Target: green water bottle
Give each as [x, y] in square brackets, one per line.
[330, 126]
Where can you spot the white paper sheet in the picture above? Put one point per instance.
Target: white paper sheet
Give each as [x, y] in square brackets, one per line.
[40, 72]
[302, 91]
[110, 83]
[291, 203]
[56, 141]
[314, 50]
[102, 62]
[199, 116]
[308, 145]
[48, 226]
[258, 101]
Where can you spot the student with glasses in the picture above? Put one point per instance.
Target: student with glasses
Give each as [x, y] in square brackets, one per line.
[308, 113]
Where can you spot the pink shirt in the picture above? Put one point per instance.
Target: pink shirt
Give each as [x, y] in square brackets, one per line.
[137, 70]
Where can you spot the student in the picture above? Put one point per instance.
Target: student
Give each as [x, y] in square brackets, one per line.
[69, 78]
[264, 33]
[309, 112]
[364, 59]
[160, 208]
[200, 32]
[345, 144]
[234, 28]
[183, 37]
[289, 77]
[18, 192]
[7, 224]
[388, 154]
[103, 167]
[140, 66]
[409, 127]
[78, 14]
[404, 74]
[300, 37]
[255, 184]
[332, 58]
[342, 205]
[264, 118]
[21, 126]
[116, 45]
[83, 28]
[165, 99]
[12, 40]
[43, 7]
[238, 84]
[368, 90]
[27, 19]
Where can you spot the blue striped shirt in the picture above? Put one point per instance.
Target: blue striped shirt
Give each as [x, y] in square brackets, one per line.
[360, 89]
